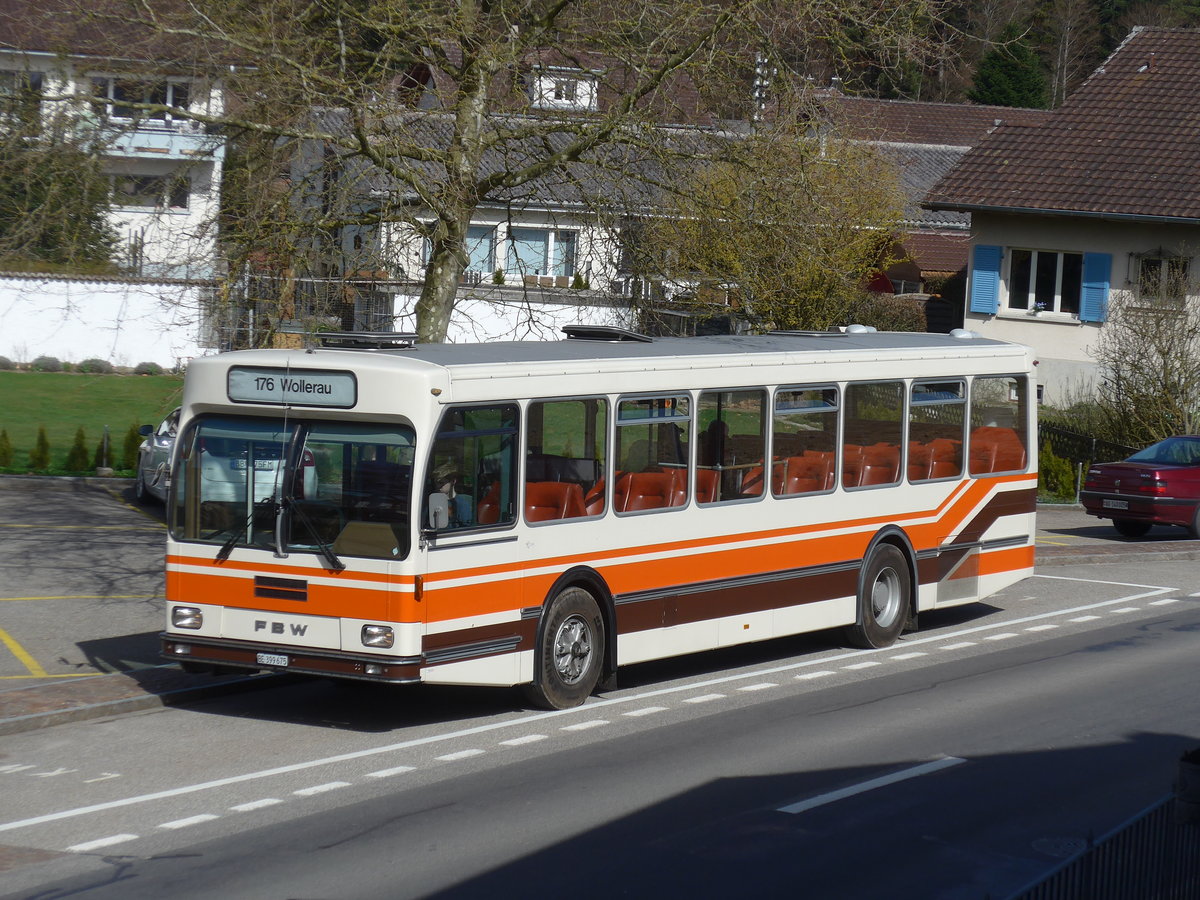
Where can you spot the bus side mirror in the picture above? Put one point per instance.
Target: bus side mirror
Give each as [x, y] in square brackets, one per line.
[439, 511]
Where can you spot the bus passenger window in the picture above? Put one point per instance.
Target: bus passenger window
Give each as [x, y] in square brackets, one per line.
[731, 445]
[804, 438]
[999, 439]
[564, 460]
[472, 468]
[936, 420]
[651, 457]
[874, 430]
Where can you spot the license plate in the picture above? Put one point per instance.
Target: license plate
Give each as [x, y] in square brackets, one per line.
[260, 465]
[1115, 504]
[271, 659]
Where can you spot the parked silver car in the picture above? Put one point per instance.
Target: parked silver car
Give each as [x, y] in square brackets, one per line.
[154, 459]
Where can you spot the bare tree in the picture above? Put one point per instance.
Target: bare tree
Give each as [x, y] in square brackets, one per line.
[1149, 360]
[1072, 37]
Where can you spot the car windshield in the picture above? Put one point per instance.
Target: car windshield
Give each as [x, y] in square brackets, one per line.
[325, 487]
[1174, 451]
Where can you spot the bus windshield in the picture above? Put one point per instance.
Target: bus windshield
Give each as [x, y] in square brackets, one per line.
[333, 488]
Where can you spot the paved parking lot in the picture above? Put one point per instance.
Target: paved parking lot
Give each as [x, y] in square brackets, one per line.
[81, 595]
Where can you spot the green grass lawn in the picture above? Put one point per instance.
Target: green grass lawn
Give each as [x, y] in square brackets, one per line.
[64, 402]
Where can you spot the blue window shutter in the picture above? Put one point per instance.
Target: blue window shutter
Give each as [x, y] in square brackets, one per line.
[1097, 270]
[985, 279]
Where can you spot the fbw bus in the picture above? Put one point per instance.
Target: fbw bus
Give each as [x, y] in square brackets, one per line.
[541, 513]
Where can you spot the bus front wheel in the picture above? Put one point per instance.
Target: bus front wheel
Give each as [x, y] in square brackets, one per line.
[570, 652]
[884, 598]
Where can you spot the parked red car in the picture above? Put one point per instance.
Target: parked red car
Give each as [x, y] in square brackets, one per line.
[1156, 486]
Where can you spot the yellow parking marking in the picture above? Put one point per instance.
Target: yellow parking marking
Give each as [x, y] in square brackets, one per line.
[19, 652]
[82, 597]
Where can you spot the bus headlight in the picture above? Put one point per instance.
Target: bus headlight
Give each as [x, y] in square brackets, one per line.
[186, 617]
[378, 636]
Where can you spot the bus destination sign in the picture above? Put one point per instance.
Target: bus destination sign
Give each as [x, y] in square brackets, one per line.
[293, 387]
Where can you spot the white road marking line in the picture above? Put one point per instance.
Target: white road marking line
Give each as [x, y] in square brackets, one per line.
[321, 788]
[913, 655]
[1003, 636]
[524, 739]
[584, 726]
[883, 781]
[189, 821]
[808, 676]
[870, 663]
[1084, 619]
[1126, 609]
[961, 645]
[461, 754]
[761, 686]
[704, 698]
[387, 773]
[645, 711]
[1148, 591]
[101, 842]
[1041, 628]
[255, 804]
[1164, 601]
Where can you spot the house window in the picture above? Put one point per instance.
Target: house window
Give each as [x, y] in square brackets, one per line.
[20, 97]
[1163, 279]
[151, 191]
[122, 92]
[571, 89]
[480, 247]
[540, 251]
[1045, 281]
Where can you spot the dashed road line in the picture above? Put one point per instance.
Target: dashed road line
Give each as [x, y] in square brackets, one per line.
[256, 804]
[705, 698]
[585, 725]
[961, 645]
[1084, 619]
[809, 676]
[1125, 609]
[322, 788]
[524, 739]
[388, 773]
[761, 686]
[100, 843]
[645, 711]
[189, 821]
[1003, 636]
[461, 754]
[904, 656]
[1164, 601]
[869, 664]
[1047, 627]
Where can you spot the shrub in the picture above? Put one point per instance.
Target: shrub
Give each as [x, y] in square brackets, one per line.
[95, 367]
[1056, 476]
[5, 449]
[129, 451]
[39, 456]
[6, 364]
[46, 364]
[147, 368]
[77, 456]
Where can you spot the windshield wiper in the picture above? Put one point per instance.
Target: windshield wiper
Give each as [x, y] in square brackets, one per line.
[326, 551]
[228, 546]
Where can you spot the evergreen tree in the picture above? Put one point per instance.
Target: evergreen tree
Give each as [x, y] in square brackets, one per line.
[39, 456]
[77, 456]
[1010, 75]
[6, 453]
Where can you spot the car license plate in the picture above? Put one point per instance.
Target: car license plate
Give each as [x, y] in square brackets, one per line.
[1115, 504]
[271, 659]
[260, 465]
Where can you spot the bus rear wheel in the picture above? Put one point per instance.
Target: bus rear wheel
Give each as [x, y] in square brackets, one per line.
[884, 599]
[570, 652]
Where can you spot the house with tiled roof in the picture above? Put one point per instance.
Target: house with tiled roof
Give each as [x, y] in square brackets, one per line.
[165, 170]
[925, 141]
[1098, 203]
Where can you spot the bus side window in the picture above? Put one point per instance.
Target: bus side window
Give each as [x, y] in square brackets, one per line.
[936, 419]
[731, 446]
[999, 440]
[874, 430]
[651, 458]
[564, 459]
[804, 438]
[473, 467]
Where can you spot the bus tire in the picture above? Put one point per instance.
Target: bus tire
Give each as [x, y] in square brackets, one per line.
[570, 652]
[884, 599]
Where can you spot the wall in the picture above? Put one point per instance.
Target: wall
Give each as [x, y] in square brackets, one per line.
[1061, 342]
[124, 323]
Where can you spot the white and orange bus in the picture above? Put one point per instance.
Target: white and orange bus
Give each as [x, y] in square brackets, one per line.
[541, 513]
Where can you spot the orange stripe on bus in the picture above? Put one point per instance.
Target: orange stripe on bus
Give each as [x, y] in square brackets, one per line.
[1012, 558]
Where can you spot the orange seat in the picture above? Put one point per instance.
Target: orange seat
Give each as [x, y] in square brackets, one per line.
[488, 512]
[648, 490]
[594, 501]
[708, 482]
[996, 449]
[547, 500]
[881, 464]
